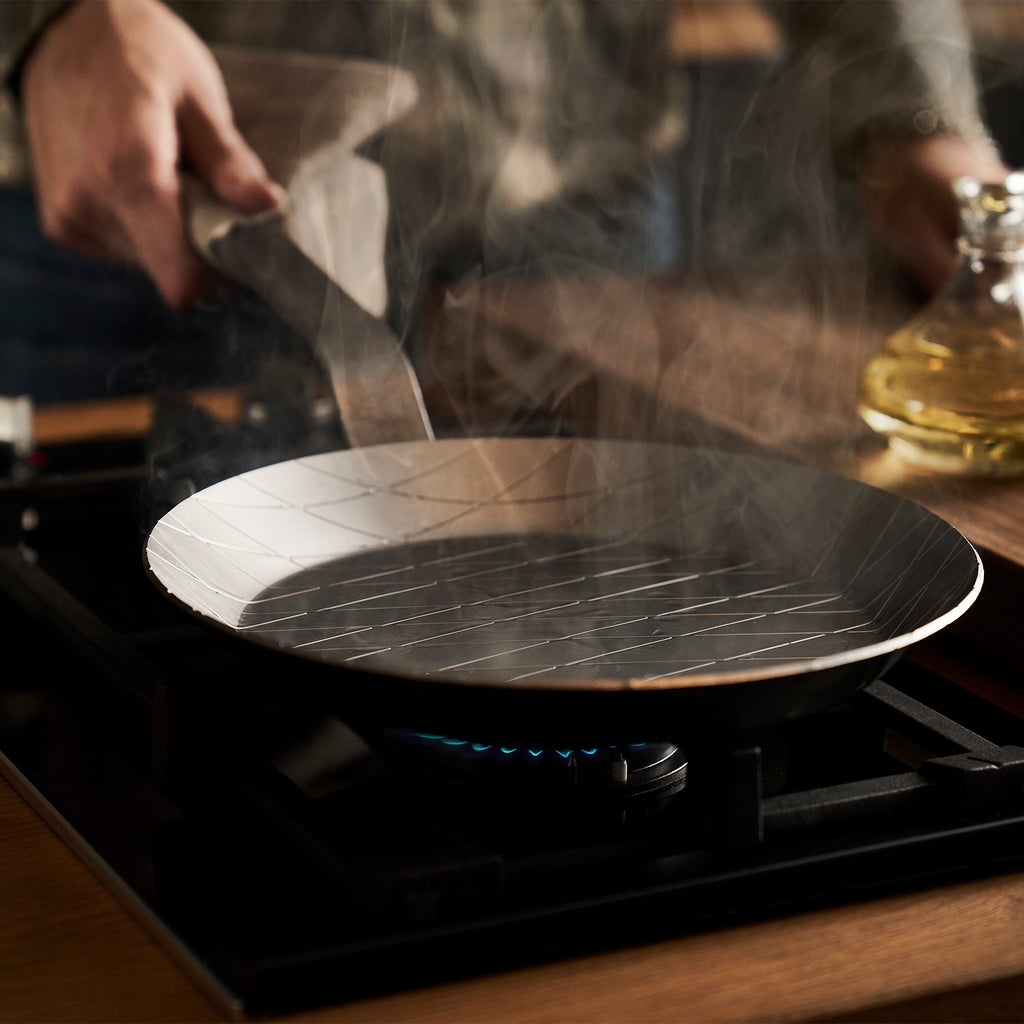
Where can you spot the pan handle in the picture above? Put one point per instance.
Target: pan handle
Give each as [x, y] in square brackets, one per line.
[375, 387]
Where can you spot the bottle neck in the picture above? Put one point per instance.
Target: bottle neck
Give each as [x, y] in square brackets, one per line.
[994, 247]
[991, 219]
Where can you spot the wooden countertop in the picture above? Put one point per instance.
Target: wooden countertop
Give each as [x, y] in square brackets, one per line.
[748, 364]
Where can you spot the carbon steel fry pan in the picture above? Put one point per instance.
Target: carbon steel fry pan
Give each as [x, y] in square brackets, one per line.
[577, 588]
[543, 589]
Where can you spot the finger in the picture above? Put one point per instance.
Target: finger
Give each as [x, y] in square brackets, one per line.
[90, 231]
[932, 259]
[145, 196]
[96, 232]
[163, 250]
[924, 244]
[219, 154]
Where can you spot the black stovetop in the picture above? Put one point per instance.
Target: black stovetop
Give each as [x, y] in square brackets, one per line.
[292, 859]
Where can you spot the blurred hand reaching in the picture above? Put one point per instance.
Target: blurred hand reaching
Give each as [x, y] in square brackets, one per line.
[118, 97]
[906, 185]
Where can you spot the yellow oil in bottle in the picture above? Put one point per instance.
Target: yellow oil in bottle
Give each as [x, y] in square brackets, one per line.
[948, 389]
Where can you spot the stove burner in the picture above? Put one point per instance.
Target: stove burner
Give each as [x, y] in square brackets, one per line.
[606, 772]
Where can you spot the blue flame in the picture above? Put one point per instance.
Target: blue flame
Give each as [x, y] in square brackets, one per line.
[563, 752]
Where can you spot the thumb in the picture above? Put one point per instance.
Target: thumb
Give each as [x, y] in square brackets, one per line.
[230, 168]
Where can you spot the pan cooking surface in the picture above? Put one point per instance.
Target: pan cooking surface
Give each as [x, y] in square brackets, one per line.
[563, 563]
[512, 608]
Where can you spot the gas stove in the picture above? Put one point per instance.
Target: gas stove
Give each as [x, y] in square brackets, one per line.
[289, 858]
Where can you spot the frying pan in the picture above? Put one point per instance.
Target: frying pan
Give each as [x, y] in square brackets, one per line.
[553, 589]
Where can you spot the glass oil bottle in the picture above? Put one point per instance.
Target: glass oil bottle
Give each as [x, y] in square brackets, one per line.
[948, 388]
